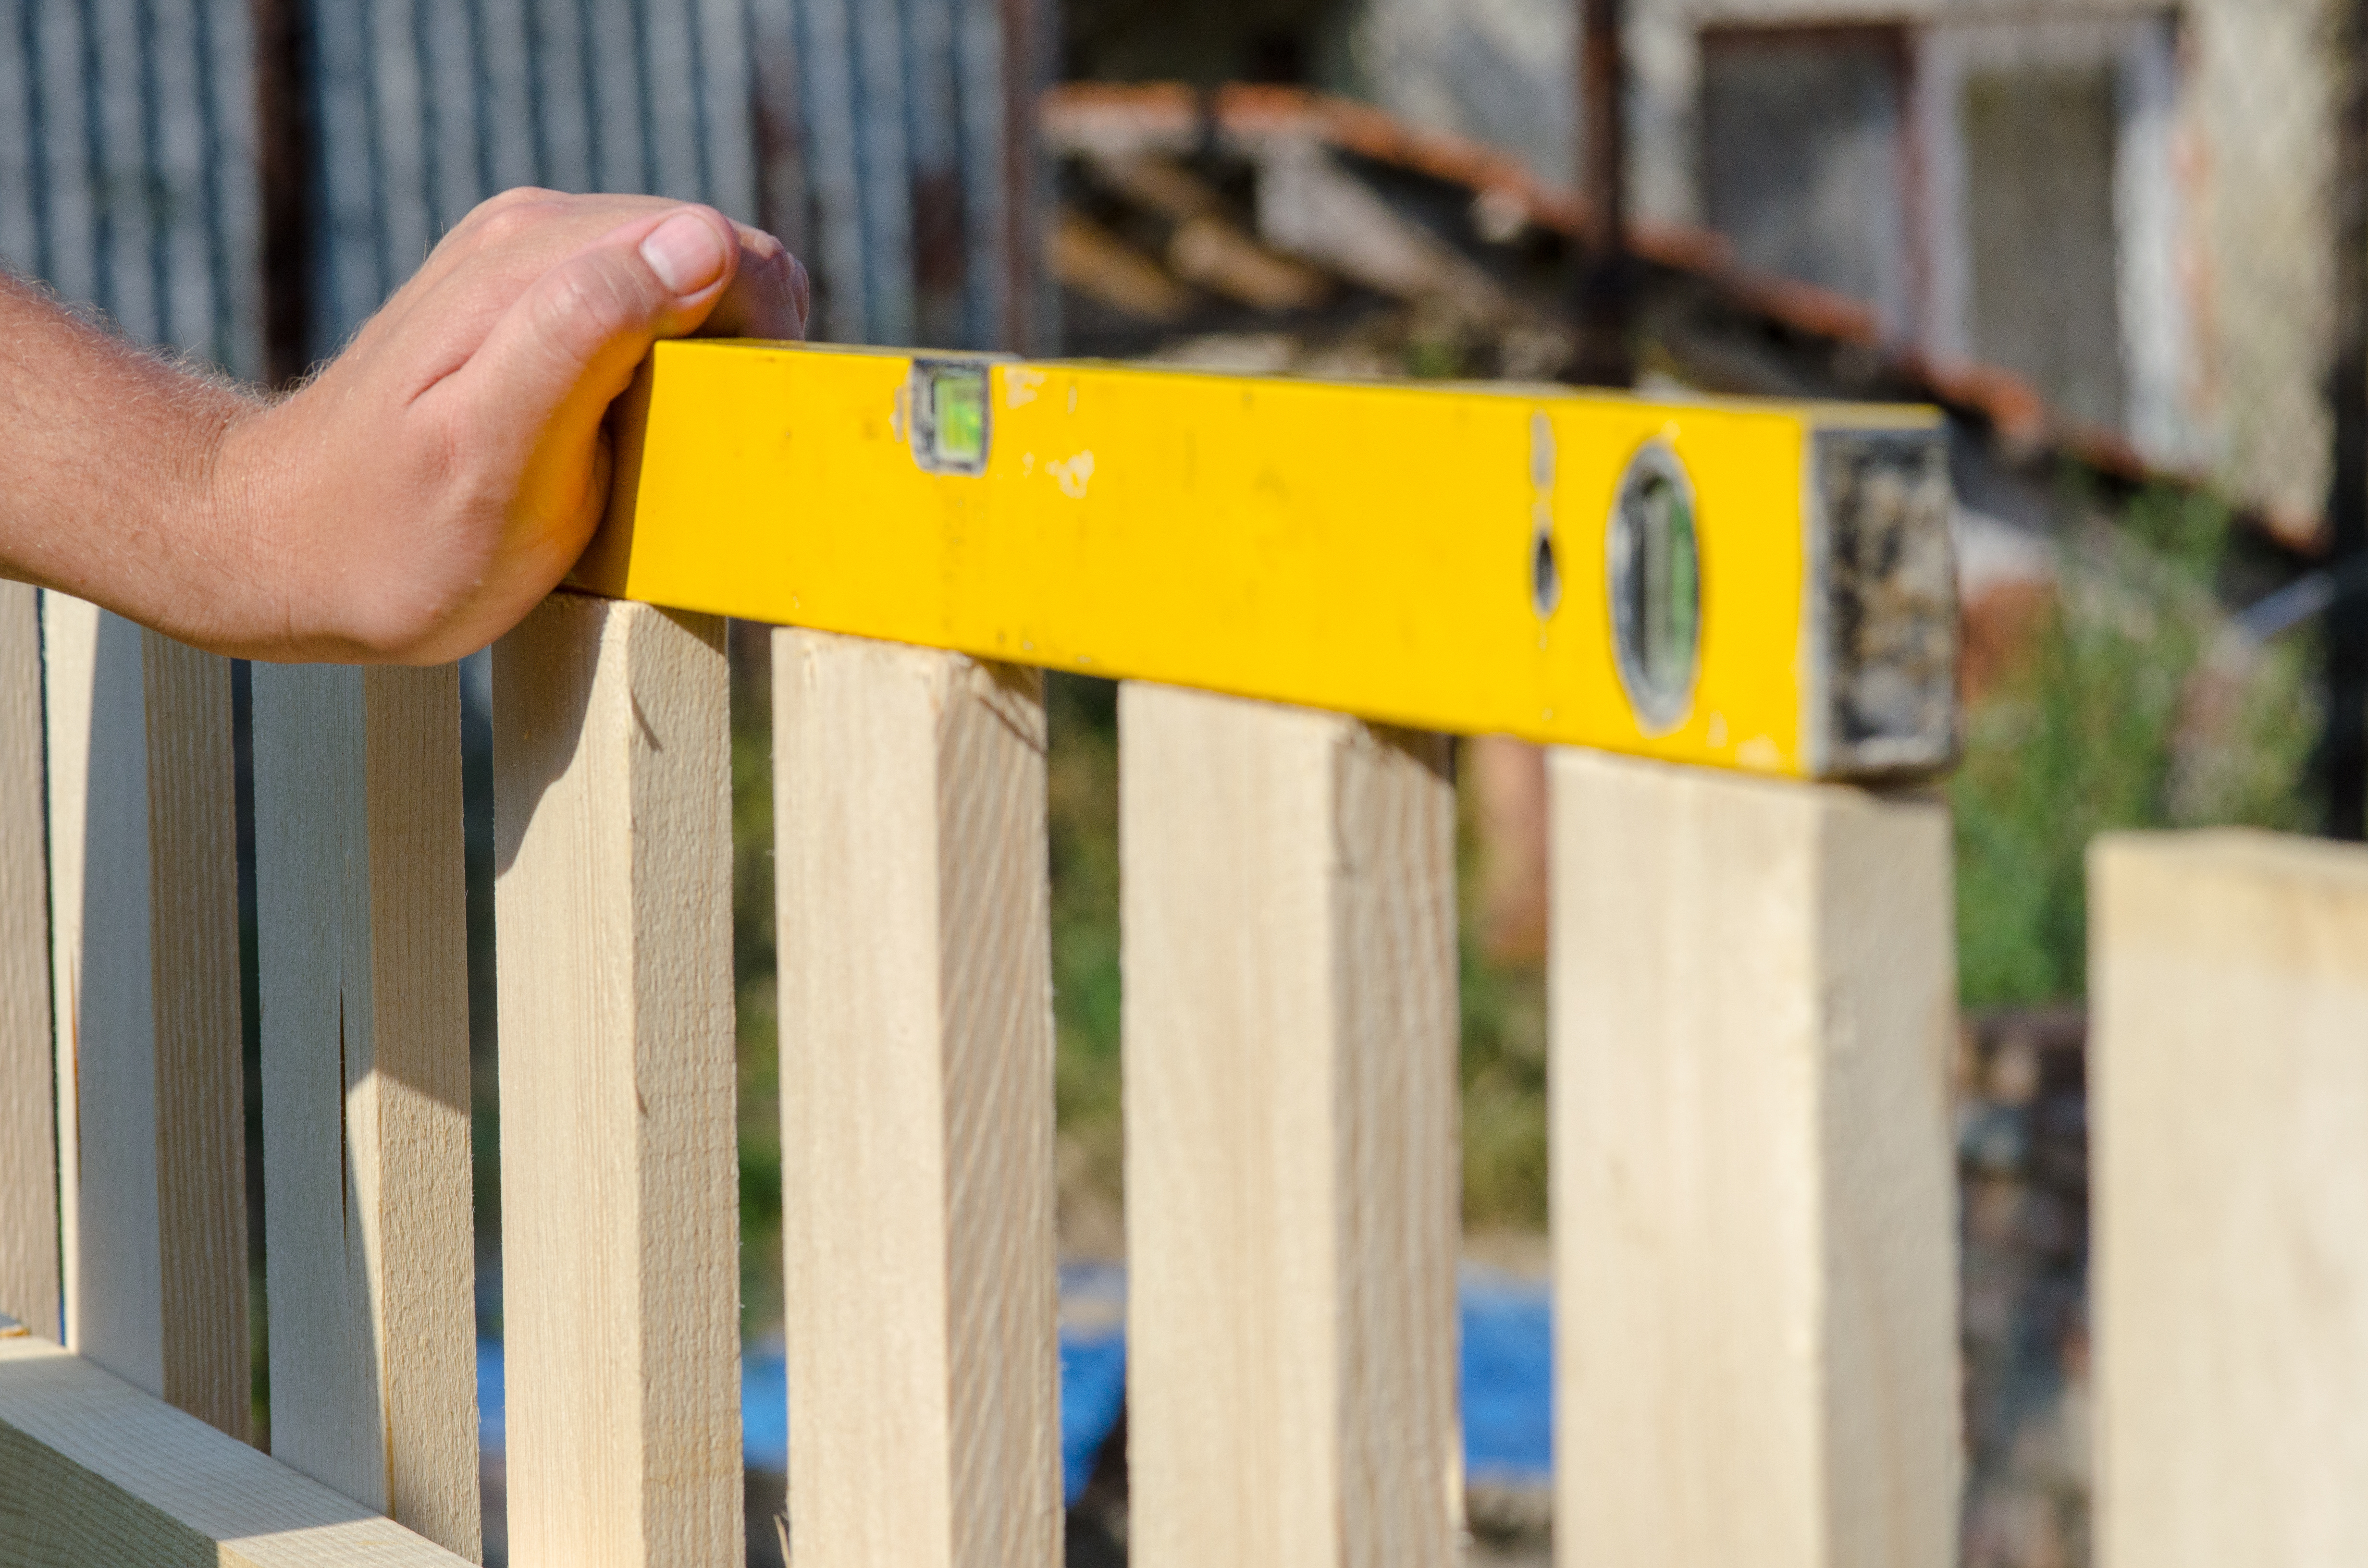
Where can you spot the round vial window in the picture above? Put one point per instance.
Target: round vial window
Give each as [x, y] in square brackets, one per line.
[1655, 582]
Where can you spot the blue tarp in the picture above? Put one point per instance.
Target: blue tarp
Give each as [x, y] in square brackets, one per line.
[1507, 1381]
[1508, 1391]
[1093, 1387]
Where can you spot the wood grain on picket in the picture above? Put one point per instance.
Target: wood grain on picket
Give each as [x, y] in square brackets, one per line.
[917, 1108]
[97, 1472]
[1288, 929]
[143, 899]
[2229, 1095]
[361, 893]
[619, 1174]
[28, 1171]
[1753, 1004]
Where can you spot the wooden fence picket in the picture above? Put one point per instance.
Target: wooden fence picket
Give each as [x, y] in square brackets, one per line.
[1752, 1006]
[620, 1192]
[917, 1108]
[143, 900]
[1288, 924]
[28, 1171]
[361, 894]
[98, 1472]
[2228, 1098]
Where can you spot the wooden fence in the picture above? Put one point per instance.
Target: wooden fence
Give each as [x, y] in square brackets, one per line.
[1753, 1007]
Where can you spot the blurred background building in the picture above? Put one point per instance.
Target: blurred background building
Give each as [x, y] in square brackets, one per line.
[247, 179]
[2125, 206]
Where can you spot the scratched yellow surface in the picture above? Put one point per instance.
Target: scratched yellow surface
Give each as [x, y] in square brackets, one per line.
[1362, 548]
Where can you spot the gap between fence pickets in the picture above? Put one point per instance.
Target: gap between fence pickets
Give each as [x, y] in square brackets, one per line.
[1752, 1003]
[1290, 1039]
[144, 891]
[362, 949]
[620, 1176]
[30, 1286]
[917, 1106]
[95, 1471]
[2228, 1098]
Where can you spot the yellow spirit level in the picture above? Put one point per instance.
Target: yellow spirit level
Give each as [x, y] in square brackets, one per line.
[1754, 586]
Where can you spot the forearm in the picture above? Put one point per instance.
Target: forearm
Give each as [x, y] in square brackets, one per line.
[111, 481]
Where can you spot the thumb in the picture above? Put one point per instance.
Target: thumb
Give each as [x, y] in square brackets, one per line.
[566, 348]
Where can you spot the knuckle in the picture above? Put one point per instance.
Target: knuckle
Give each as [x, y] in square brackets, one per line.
[519, 196]
[505, 219]
[588, 304]
[506, 227]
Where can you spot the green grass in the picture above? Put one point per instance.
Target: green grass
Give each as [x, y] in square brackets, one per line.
[1081, 788]
[2129, 712]
[752, 968]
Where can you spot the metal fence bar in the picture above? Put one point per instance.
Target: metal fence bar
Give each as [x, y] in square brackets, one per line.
[979, 46]
[882, 156]
[95, 162]
[152, 110]
[220, 342]
[64, 251]
[24, 172]
[429, 149]
[825, 57]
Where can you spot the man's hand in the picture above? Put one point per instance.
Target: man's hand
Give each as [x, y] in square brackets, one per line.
[421, 494]
[445, 472]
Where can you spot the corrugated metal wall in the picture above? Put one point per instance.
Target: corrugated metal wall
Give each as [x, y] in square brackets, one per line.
[424, 108]
[127, 168]
[903, 115]
[870, 135]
